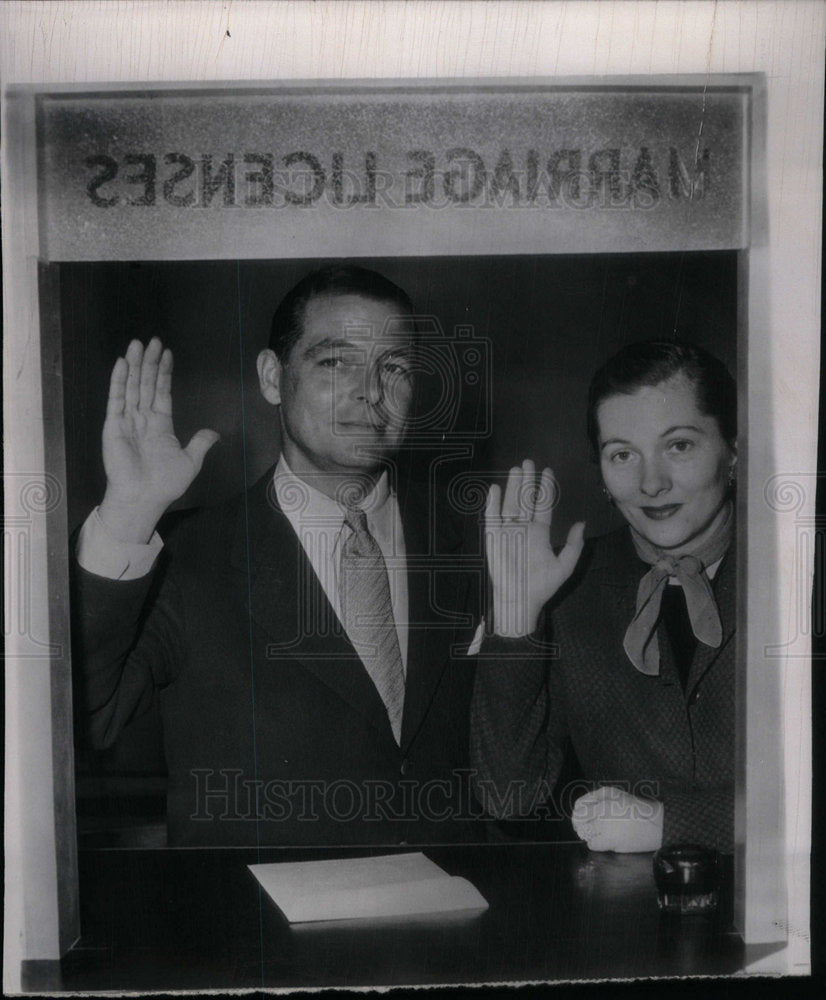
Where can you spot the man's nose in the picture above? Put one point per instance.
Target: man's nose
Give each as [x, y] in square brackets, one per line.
[655, 478]
[372, 385]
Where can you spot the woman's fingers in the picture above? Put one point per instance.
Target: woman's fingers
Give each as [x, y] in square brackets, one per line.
[544, 499]
[572, 550]
[493, 507]
[513, 487]
[521, 493]
[527, 493]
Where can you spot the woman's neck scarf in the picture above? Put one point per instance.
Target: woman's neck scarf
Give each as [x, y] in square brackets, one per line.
[688, 564]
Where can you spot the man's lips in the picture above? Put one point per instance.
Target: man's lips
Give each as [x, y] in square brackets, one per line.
[661, 513]
[353, 425]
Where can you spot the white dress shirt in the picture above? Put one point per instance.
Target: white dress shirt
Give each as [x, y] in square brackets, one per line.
[317, 520]
[711, 572]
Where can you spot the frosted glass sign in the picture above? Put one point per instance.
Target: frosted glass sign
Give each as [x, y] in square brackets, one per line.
[360, 170]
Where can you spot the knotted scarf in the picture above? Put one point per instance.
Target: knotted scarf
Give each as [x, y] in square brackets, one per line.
[688, 565]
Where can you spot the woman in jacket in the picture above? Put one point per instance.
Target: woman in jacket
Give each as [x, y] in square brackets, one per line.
[625, 649]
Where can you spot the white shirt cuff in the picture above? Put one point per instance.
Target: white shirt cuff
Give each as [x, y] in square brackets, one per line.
[99, 553]
[476, 644]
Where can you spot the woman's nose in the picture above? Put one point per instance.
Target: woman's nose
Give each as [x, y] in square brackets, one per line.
[655, 479]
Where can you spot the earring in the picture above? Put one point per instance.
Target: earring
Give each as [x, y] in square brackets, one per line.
[732, 476]
[608, 498]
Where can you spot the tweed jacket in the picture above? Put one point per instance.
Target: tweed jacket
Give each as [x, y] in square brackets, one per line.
[273, 731]
[644, 734]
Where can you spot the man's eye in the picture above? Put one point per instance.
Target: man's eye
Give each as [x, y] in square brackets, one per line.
[398, 369]
[341, 360]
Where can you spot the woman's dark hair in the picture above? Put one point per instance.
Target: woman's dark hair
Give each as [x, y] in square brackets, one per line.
[650, 362]
[332, 279]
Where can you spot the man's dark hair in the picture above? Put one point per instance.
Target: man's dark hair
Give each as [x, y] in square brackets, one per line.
[332, 279]
[650, 362]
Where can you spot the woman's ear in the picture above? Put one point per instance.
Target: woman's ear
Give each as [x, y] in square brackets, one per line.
[269, 376]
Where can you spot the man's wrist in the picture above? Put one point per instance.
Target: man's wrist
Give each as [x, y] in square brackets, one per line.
[128, 520]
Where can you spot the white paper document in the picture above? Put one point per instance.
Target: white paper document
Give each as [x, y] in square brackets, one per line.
[388, 886]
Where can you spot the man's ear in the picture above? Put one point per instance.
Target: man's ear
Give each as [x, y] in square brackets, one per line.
[732, 465]
[269, 376]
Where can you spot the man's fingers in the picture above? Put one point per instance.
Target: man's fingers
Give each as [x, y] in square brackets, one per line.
[117, 389]
[163, 385]
[149, 373]
[134, 357]
[572, 550]
[200, 444]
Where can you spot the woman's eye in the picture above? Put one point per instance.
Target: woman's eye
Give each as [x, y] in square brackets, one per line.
[681, 447]
[621, 457]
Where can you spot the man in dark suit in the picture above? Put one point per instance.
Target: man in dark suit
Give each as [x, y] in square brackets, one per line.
[309, 638]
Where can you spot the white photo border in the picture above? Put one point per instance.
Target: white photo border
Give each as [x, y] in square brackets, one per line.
[784, 296]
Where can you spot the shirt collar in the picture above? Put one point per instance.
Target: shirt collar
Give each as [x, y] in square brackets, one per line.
[711, 572]
[299, 500]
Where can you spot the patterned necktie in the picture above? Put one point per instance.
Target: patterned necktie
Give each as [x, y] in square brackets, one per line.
[367, 614]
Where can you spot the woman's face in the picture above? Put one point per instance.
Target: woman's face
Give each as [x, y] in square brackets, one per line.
[664, 462]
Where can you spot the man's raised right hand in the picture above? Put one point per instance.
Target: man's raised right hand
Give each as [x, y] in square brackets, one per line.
[146, 467]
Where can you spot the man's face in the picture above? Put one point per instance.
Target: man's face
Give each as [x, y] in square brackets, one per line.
[346, 387]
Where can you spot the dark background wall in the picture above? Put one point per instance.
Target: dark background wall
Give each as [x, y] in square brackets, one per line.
[545, 324]
[539, 327]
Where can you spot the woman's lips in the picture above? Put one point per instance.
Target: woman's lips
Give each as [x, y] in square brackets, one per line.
[661, 513]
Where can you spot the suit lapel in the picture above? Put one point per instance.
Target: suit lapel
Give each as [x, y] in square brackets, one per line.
[287, 601]
[620, 571]
[431, 544]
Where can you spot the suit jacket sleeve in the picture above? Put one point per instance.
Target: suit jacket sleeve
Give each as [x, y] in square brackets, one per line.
[127, 637]
[699, 816]
[518, 729]
[625, 729]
